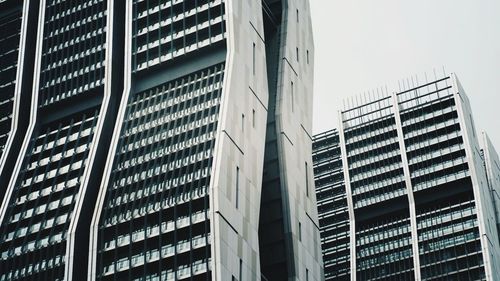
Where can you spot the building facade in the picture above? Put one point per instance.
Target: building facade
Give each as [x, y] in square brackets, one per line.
[289, 231]
[333, 211]
[420, 205]
[16, 79]
[76, 84]
[159, 132]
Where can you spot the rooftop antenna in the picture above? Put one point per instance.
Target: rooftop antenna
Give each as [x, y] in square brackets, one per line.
[426, 81]
[412, 83]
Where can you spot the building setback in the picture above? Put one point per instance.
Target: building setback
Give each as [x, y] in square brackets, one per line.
[162, 142]
[406, 175]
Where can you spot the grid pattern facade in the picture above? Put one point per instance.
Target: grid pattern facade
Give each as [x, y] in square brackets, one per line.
[73, 50]
[166, 30]
[449, 240]
[154, 224]
[383, 249]
[33, 232]
[42, 202]
[331, 198]
[375, 169]
[447, 228]
[134, 120]
[161, 230]
[431, 130]
[373, 153]
[10, 24]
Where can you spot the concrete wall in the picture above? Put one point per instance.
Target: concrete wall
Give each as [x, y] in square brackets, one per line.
[492, 166]
[294, 131]
[239, 150]
[484, 201]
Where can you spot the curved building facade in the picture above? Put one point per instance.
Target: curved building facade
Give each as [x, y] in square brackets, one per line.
[417, 191]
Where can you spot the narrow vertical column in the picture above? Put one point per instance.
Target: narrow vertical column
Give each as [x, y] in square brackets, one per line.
[409, 189]
[350, 204]
[477, 177]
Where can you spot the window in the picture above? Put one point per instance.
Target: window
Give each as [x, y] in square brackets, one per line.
[307, 56]
[291, 91]
[307, 180]
[300, 231]
[237, 185]
[307, 274]
[297, 15]
[253, 59]
[253, 118]
[297, 53]
[242, 122]
[241, 270]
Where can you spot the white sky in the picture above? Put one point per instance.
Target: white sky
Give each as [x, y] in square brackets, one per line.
[362, 45]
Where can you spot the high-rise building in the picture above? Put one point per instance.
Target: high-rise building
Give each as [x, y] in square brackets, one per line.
[77, 82]
[16, 79]
[492, 167]
[168, 140]
[333, 211]
[289, 230]
[10, 22]
[403, 191]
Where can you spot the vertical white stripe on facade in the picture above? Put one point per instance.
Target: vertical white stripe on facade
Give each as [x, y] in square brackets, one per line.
[94, 225]
[350, 204]
[19, 81]
[33, 112]
[409, 189]
[464, 115]
[108, 68]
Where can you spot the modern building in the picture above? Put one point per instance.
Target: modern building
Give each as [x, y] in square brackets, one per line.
[492, 166]
[333, 210]
[289, 229]
[16, 79]
[76, 85]
[10, 21]
[163, 143]
[405, 191]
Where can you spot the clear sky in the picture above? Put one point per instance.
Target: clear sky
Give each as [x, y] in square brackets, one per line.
[362, 45]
